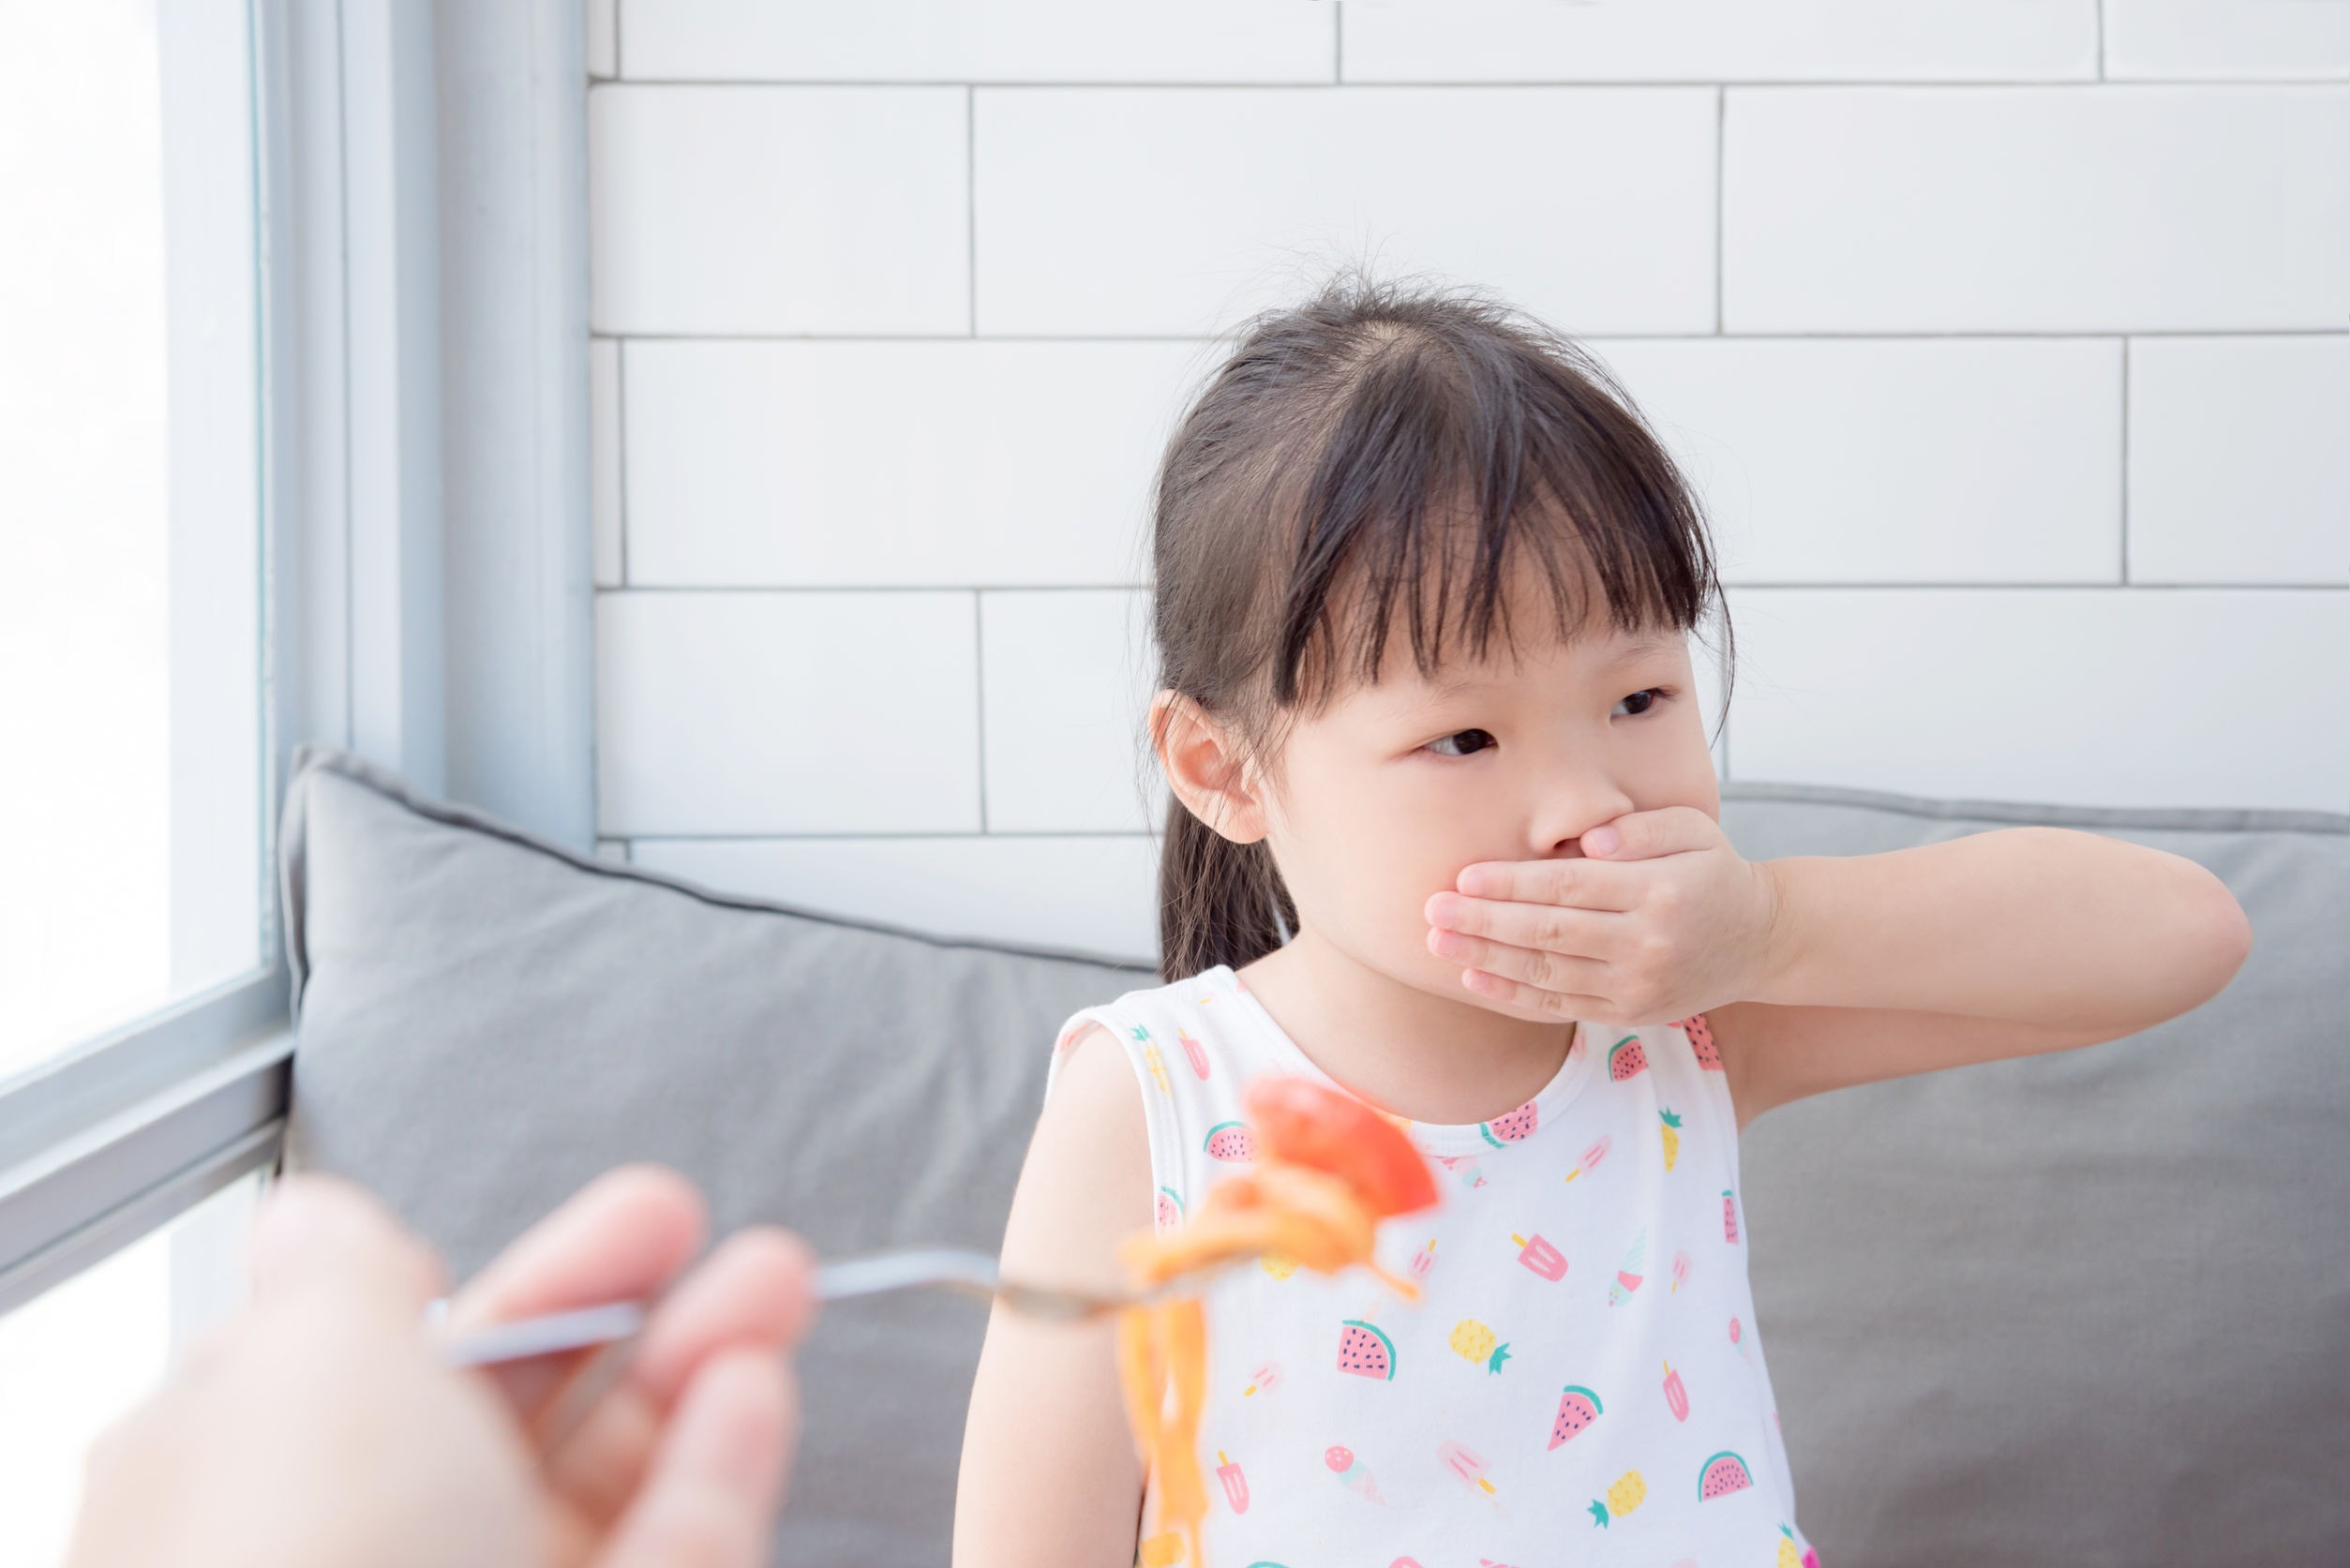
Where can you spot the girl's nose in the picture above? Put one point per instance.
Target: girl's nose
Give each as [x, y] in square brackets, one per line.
[1567, 807]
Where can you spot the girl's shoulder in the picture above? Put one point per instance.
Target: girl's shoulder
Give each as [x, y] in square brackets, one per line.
[1197, 1024]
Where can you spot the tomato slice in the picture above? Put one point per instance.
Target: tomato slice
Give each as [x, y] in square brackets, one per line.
[1314, 1124]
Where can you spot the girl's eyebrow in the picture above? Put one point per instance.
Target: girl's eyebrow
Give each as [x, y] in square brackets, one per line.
[1642, 648]
[1442, 688]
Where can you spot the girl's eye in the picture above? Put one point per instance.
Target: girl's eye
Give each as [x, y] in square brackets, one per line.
[1639, 702]
[1461, 742]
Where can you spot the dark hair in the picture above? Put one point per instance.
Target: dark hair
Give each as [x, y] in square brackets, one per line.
[1380, 451]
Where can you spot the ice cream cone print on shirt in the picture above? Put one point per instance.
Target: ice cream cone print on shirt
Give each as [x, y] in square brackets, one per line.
[1628, 1272]
[1351, 1474]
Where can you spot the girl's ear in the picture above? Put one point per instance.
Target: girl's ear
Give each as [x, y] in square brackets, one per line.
[1207, 769]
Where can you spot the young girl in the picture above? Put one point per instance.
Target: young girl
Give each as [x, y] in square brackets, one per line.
[1443, 833]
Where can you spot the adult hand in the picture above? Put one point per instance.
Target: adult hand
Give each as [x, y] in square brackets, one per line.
[320, 1426]
[1658, 918]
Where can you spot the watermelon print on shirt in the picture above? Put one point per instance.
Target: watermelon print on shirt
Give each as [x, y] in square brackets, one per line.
[1582, 1380]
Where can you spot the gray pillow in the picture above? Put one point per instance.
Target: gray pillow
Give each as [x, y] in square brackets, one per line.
[487, 1021]
[2090, 1309]
[2085, 1308]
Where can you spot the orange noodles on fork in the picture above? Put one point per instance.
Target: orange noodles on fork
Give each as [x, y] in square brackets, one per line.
[1328, 1169]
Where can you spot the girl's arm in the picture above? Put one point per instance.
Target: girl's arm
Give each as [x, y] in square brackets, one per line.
[1844, 968]
[1999, 944]
[1049, 1477]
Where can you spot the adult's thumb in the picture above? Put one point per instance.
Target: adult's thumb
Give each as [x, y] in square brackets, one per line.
[317, 1231]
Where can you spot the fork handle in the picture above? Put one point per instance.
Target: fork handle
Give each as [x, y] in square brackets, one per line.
[904, 1269]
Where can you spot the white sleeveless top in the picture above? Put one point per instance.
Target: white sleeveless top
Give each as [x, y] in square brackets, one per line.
[1581, 1381]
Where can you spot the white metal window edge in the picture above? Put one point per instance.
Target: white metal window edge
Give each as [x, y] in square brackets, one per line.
[125, 1132]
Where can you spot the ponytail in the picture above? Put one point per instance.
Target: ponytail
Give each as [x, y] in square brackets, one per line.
[1219, 902]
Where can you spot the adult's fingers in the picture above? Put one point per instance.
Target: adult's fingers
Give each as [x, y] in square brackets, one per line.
[1645, 835]
[317, 1231]
[753, 1292]
[1577, 883]
[756, 1291]
[710, 1498]
[622, 1238]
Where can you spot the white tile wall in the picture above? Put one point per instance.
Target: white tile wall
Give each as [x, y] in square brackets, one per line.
[963, 461]
[1895, 460]
[786, 714]
[1177, 211]
[1091, 893]
[2036, 209]
[2006, 339]
[1065, 685]
[2112, 697]
[2240, 460]
[1003, 40]
[2184, 39]
[1720, 40]
[779, 209]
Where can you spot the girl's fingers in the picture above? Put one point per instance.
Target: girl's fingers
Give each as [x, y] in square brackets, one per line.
[1578, 883]
[1645, 835]
[1521, 1000]
[1546, 971]
[709, 1497]
[1542, 927]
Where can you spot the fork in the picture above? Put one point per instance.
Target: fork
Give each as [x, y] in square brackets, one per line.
[972, 1274]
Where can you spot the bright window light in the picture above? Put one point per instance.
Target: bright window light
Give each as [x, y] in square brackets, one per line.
[130, 689]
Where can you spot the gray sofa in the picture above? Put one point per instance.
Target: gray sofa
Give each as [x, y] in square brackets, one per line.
[2091, 1308]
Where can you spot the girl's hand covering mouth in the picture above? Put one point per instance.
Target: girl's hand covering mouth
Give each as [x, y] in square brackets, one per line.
[1658, 918]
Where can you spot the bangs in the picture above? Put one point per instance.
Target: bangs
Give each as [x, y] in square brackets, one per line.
[1450, 472]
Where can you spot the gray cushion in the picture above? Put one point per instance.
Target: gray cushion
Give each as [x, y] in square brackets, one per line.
[2084, 1308]
[486, 1021]
[2090, 1308]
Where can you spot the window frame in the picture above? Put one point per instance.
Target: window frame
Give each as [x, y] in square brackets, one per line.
[355, 270]
[102, 1143]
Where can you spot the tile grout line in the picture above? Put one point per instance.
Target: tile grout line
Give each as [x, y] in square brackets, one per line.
[1721, 200]
[2100, 40]
[889, 835]
[1904, 334]
[2084, 585]
[1338, 43]
[620, 434]
[1586, 84]
[979, 682]
[340, 331]
[2125, 462]
[971, 205]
